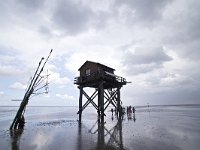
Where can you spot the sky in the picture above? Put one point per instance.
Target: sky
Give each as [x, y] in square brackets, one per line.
[155, 44]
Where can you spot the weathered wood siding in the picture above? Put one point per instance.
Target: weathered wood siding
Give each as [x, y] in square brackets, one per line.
[88, 65]
[94, 68]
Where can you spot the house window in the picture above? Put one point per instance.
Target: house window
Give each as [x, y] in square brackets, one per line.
[87, 72]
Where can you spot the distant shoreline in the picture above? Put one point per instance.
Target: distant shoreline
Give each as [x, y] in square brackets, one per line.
[167, 105]
[137, 106]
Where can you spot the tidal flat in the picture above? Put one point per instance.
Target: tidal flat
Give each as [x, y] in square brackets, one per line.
[150, 128]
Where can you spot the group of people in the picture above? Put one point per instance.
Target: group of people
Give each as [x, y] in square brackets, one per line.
[130, 109]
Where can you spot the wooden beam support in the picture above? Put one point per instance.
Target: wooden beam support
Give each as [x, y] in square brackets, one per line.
[110, 99]
[111, 95]
[90, 100]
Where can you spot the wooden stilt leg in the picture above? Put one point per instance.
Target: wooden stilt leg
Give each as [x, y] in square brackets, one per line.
[99, 104]
[80, 102]
[101, 100]
[119, 109]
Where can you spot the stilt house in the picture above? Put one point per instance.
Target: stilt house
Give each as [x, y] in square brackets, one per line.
[106, 84]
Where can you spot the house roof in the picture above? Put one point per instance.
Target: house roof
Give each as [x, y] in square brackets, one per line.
[96, 64]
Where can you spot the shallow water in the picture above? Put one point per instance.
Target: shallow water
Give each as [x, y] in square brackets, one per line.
[161, 127]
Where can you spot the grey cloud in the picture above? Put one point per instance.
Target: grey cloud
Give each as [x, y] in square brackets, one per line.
[21, 6]
[19, 13]
[176, 96]
[189, 50]
[172, 95]
[74, 17]
[142, 68]
[146, 11]
[9, 64]
[44, 30]
[190, 22]
[145, 59]
[182, 30]
[146, 55]
[71, 17]
[63, 17]
[30, 5]
[166, 80]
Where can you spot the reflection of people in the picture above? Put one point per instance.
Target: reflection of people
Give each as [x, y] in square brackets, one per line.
[112, 111]
[112, 114]
[129, 117]
[130, 110]
[134, 119]
[133, 109]
[123, 110]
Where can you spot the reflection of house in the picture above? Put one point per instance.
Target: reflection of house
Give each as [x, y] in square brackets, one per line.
[108, 138]
[106, 84]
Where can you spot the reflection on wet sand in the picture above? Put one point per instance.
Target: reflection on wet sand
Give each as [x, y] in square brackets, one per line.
[150, 130]
[105, 134]
[115, 133]
[15, 136]
[79, 143]
[107, 138]
[131, 117]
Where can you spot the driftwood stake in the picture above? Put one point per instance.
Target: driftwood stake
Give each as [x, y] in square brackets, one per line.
[18, 121]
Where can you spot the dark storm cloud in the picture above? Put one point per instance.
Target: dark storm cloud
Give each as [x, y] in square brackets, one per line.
[71, 16]
[145, 59]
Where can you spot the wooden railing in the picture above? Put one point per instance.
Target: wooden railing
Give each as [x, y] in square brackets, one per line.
[99, 75]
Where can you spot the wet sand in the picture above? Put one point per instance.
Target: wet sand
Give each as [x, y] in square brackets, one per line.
[171, 127]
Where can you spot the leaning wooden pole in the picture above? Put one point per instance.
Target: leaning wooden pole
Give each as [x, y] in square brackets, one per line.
[19, 115]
